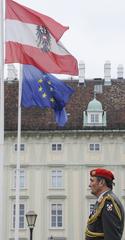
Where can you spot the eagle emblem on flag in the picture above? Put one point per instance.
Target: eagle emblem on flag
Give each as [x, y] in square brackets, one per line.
[43, 38]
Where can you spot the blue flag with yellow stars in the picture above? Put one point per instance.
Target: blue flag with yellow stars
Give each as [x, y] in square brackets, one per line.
[45, 91]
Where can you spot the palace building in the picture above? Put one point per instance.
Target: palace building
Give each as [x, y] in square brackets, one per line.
[55, 161]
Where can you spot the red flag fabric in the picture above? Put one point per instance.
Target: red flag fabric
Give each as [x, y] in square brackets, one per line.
[33, 38]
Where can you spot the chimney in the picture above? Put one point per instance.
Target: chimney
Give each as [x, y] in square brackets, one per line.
[11, 72]
[120, 71]
[107, 73]
[81, 72]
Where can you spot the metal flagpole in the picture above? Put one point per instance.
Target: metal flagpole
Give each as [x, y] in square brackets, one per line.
[1, 113]
[18, 157]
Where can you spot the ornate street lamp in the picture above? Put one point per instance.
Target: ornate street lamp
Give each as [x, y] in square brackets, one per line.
[31, 219]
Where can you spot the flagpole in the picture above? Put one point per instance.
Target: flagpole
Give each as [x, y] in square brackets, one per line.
[18, 157]
[1, 114]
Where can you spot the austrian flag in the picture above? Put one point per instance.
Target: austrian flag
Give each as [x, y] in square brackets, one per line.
[33, 38]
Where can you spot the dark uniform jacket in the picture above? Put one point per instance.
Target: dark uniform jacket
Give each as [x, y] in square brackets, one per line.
[107, 220]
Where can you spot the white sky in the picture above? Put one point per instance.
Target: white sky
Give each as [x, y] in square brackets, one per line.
[96, 30]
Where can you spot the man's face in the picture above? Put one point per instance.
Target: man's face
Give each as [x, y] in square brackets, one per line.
[95, 186]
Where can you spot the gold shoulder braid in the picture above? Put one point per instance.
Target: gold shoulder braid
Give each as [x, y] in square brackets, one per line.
[88, 233]
[117, 209]
[94, 217]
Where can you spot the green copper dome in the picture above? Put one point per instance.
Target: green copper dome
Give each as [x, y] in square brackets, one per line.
[94, 105]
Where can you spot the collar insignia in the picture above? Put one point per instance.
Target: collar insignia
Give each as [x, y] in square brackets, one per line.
[109, 207]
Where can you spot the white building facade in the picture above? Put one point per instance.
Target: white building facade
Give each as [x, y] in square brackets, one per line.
[54, 179]
[55, 163]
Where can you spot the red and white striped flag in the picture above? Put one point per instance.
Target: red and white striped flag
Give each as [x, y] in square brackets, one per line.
[33, 38]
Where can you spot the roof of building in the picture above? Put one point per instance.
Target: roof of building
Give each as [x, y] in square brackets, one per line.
[94, 105]
[112, 100]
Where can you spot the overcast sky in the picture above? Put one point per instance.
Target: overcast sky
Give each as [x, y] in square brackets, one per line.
[96, 30]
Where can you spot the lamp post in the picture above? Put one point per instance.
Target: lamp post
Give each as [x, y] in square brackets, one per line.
[31, 219]
[52, 238]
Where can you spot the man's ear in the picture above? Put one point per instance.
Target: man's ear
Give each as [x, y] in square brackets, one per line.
[102, 182]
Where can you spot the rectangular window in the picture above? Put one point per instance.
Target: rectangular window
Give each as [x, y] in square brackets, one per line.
[21, 179]
[22, 147]
[98, 88]
[95, 118]
[53, 147]
[94, 147]
[57, 179]
[97, 147]
[56, 216]
[21, 215]
[91, 147]
[56, 147]
[59, 147]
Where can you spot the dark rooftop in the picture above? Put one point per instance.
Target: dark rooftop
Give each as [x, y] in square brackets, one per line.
[112, 99]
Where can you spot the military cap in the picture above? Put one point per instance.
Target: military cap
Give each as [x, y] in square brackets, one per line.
[101, 172]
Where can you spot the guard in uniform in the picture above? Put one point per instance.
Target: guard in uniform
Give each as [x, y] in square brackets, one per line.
[106, 222]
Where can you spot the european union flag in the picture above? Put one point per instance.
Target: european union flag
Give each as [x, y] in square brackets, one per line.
[45, 91]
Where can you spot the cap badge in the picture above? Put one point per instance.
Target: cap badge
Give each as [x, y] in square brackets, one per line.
[93, 173]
